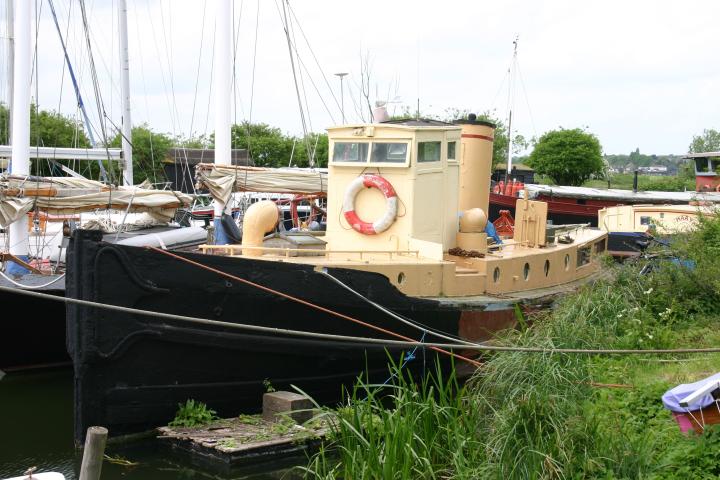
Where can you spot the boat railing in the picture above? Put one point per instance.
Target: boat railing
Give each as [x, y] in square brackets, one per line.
[232, 250]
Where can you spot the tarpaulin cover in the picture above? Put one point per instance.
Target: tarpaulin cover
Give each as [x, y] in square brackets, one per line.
[66, 195]
[220, 180]
[672, 398]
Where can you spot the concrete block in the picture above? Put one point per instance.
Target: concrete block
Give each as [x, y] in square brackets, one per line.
[275, 403]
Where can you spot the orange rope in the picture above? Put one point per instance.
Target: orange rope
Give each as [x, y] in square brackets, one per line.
[311, 305]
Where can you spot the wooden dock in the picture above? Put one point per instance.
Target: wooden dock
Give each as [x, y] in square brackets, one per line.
[246, 439]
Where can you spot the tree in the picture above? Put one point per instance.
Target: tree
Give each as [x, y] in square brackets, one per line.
[709, 141]
[149, 150]
[47, 128]
[269, 147]
[568, 157]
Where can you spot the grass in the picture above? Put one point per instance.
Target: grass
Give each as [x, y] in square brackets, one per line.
[193, 414]
[555, 415]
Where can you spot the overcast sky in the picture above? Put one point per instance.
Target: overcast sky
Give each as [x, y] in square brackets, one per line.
[638, 74]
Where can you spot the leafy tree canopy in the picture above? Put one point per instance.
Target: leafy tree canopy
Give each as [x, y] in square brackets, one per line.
[568, 157]
[149, 150]
[269, 147]
[47, 128]
[709, 141]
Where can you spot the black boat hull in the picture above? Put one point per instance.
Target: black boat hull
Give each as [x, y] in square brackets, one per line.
[131, 371]
[33, 330]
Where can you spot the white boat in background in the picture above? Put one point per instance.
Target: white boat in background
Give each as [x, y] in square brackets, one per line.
[631, 227]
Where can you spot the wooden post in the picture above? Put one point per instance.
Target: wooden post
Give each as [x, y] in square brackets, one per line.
[93, 453]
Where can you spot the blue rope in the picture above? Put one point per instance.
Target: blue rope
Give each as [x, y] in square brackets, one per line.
[409, 357]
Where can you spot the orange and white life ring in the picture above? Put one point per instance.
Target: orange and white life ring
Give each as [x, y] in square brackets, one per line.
[384, 222]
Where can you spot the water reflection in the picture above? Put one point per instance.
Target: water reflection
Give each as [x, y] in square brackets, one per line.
[36, 429]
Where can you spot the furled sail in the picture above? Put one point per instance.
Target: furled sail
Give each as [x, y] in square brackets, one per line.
[221, 181]
[66, 195]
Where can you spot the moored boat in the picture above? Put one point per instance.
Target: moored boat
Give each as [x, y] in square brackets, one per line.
[631, 228]
[421, 269]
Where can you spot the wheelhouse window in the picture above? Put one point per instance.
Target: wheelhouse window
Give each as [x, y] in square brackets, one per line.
[428, 152]
[350, 152]
[389, 152]
[451, 150]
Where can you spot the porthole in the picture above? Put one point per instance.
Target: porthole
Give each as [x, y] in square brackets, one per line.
[567, 261]
[401, 278]
[526, 271]
[547, 267]
[496, 275]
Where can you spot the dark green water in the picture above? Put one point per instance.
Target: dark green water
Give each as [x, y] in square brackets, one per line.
[36, 430]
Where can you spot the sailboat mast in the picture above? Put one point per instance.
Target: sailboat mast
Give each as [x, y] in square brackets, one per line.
[125, 93]
[20, 162]
[222, 82]
[508, 168]
[11, 61]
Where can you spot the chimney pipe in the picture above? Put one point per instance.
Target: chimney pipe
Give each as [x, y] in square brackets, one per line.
[475, 163]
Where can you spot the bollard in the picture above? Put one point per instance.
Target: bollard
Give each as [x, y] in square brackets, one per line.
[93, 453]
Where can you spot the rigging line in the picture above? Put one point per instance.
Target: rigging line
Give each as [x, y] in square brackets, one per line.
[199, 65]
[309, 304]
[252, 84]
[96, 85]
[236, 38]
[160, 64]
[400, 343]
[500, 89]
[185, 164]
[306, 139]
[394, 315]
[317, 90]
[62, 73]
[312, 52]
[145, 97]
[286, 27]
[527, 100]
[76, 87]
[209, 102]
[168, 59]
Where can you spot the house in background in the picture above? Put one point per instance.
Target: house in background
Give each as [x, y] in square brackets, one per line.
[521, 173]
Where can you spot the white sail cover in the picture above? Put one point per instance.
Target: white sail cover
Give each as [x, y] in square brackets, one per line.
[68, 195]
[222, 180]
[615, 194]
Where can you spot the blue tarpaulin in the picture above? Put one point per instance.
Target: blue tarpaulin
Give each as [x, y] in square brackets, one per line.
[672, 398]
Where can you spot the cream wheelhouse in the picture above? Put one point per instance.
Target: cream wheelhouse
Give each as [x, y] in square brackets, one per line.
[384, 222]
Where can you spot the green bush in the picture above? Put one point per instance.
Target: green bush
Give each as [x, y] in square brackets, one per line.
[193, 414]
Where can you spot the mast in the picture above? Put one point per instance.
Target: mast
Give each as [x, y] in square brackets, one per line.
[11, 61]
[125, 93]
[222, 82]
[508, 168]
[20, 162]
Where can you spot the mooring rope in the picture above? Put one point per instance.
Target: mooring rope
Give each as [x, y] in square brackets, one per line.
[347, 338]
[394, 315]
[310, 304]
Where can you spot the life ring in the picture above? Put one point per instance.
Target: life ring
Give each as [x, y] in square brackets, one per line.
[384, 222]
[717, 188]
